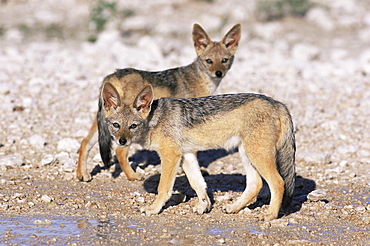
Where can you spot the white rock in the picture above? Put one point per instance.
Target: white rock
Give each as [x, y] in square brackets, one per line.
[28, 102]
[10, 161]
[37, 141]
[321, 18]
[42, 222]
[5, 87]
[267, 31]
[107, 38]
[69, 163]
[14, 35]
[344, 149]
[360, 209]
[364, 35]
[363, 153]
[97, 157]
[68, 144]
[315, 157]
[136, 23]
[366, 19]
[338, 54]
[316, 195]
[365, 60]
[47, 159]
[305, 52]
[226, 197]
[46, 198]
[150, 45]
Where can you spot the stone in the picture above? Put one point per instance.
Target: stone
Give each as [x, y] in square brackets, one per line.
[10, 161]
[37, 141]
[68, 145]
[316, 195]
[46, 199]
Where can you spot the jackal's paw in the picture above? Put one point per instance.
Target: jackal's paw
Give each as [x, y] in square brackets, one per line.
[148, 210]
[230, 209]
[202, 207]
[85, 177]
[136, 176]
[266, 217]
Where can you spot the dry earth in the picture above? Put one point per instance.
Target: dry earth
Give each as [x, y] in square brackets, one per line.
[50, 75]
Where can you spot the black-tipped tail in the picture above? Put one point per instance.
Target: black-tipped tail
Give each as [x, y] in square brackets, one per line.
[286, 157]
[105, 142]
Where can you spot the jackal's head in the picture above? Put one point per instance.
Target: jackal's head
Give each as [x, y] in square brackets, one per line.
[216, 57]
[127, 122]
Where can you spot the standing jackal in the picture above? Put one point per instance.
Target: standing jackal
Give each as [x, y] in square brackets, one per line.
[200, 78]
[259, 126]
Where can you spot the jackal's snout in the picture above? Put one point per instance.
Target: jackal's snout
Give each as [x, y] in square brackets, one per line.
[218, 74]
[122, 141]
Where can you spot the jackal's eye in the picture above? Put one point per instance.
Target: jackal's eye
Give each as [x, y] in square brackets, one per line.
[116, 125]
[209, 61]
[224, 60]
[133, 126]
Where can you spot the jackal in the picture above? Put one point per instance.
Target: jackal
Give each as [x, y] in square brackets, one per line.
[259, 126]
[200, 78]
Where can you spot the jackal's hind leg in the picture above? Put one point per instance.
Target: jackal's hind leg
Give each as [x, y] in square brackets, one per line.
[254, 185]
[191, 168]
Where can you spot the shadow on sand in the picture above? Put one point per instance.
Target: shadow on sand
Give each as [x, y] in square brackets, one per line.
[218, 182]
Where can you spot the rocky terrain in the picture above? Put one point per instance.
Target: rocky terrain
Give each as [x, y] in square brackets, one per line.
[50, 74]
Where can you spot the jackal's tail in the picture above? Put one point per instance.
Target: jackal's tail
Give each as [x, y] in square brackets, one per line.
[105, 141]
[286, 155]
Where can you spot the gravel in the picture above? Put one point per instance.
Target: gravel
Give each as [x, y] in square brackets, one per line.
[319, 66]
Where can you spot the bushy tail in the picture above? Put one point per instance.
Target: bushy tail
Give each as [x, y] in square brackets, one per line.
[105, 141]
[286, 155]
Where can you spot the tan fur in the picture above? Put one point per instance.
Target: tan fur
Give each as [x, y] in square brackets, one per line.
[197, 79]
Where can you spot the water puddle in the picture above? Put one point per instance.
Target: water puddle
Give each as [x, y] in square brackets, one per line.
[25, 230]
[36, 230]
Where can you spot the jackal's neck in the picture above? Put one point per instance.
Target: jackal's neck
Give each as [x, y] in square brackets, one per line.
[204, 81]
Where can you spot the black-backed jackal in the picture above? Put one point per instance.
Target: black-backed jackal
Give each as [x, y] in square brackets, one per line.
[259, 126]
[200, 78]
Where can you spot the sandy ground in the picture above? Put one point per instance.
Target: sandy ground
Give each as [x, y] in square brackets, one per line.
[319, 66]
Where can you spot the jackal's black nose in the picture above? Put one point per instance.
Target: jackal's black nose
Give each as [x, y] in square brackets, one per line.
[218, 74]
[122, 141]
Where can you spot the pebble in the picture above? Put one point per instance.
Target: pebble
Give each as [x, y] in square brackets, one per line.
[45, 222]
[46, 198]
[67, 161]
[10, 161]
[279, 222]
[316, 195]
[37, 141]
[226, 197]
[68, 145]
[305, 52]
[320, 17]
[361, 209]
[47, 159]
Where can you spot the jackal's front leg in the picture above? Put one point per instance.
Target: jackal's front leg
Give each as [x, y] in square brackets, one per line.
[122, 154]
[170, 159]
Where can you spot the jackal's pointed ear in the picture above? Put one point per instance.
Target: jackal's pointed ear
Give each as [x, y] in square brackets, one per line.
[231, 39]
[144, 99]
[200, 38]
[110, 97]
